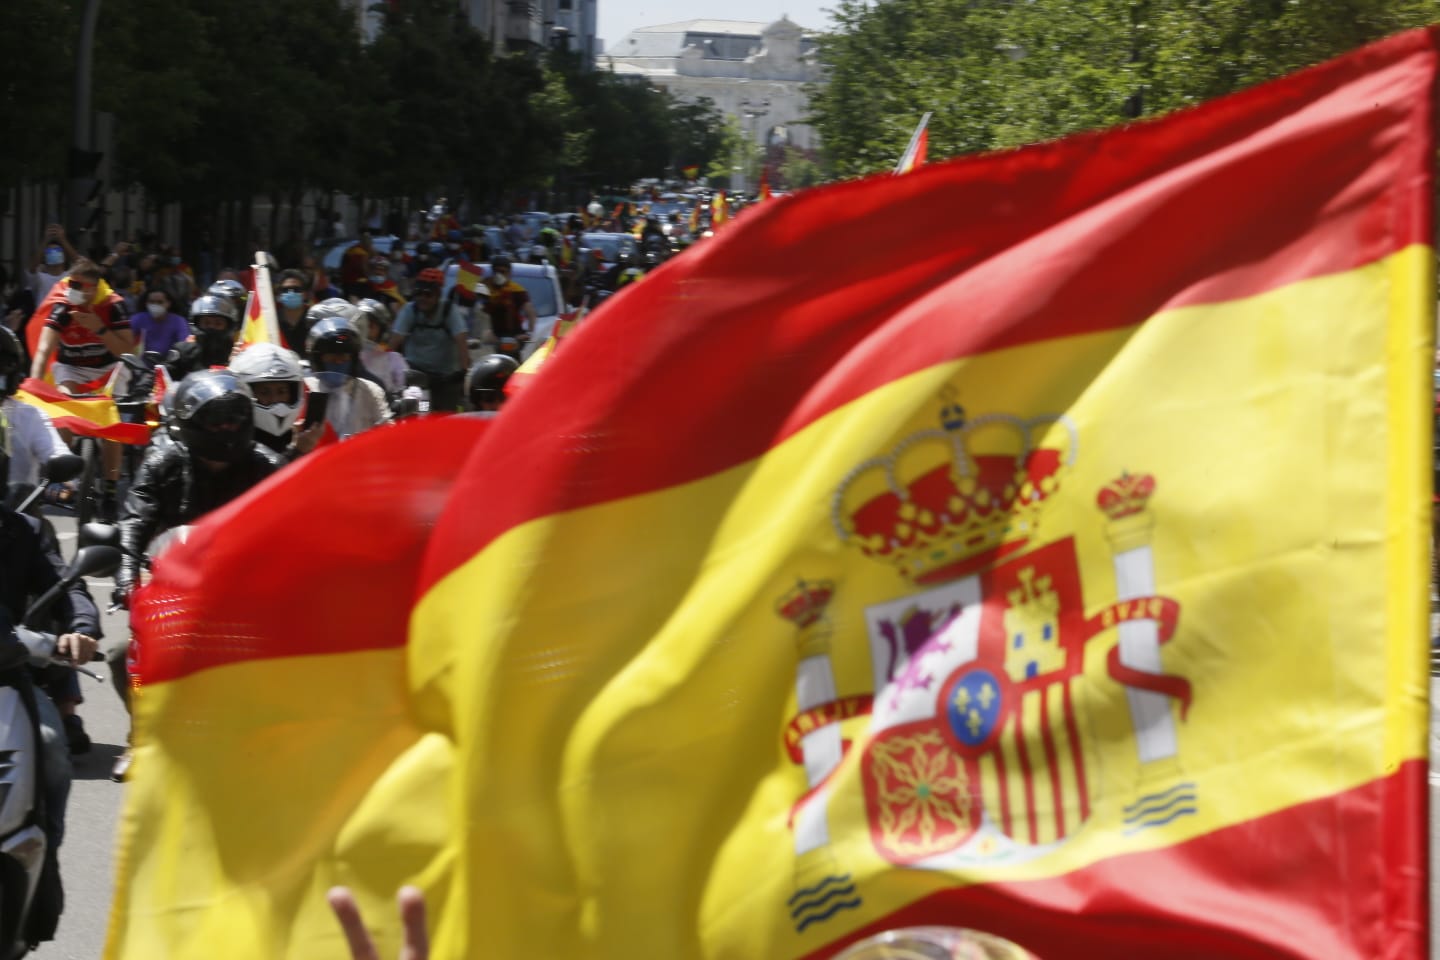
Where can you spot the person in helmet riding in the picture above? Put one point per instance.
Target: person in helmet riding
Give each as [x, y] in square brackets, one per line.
[508, 305]
[381, 286]
[433, 336]
[216, 325]
[232, 290]
[214, 459]
[485, 383]
[277, 382]
[353, 402]
[372, 320]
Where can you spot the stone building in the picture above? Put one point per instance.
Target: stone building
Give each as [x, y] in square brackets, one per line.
[754, 72]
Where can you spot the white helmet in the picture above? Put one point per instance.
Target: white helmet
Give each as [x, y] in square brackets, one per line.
[268, 363]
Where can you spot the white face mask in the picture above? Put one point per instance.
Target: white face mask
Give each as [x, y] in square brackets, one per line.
[77, 297]
[157, 310]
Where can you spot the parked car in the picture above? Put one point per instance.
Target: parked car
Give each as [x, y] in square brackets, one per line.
[541, 281]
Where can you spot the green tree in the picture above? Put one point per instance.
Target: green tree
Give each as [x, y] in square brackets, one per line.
[999, 73]
[38, 41]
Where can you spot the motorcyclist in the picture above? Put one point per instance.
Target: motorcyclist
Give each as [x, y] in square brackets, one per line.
[508, 305]
[352, 402]
[213, 460]
[372, 320]
[485, 383]
[626, 270]
[379, 285]
[277, 382]
[433, 336]
[32, 564]
[216, 325]
[232, 290]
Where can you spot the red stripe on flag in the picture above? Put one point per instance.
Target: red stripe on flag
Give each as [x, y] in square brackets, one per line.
[1027, 774]
[1057, 795]
[1074, 734]
[134, 434]
[1199, 206]
[1213, 896]
[183, 630]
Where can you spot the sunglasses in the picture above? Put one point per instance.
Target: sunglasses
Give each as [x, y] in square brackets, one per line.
[292, 289]
[81, 285]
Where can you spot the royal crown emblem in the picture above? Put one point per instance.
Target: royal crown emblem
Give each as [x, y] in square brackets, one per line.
[947, 501]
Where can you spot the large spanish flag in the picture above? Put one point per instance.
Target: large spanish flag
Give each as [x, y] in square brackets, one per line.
[1061, 573]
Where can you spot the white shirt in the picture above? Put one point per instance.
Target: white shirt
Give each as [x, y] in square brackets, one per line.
[30, 439]
[388, 366]
[355, 407]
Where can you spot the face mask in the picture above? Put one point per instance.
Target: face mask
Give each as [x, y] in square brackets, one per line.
[157, 310]
[378, 279]
[174, 261]
[501, 279]
[332, 379]
[54, 256]
[290, 299]
[77, 297]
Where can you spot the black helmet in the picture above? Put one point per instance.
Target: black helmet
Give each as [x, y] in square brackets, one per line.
[12, 362]
[485, 383]
[215, 345]
[499, 263]
[214, 413]
[333, 335]
[232, 290]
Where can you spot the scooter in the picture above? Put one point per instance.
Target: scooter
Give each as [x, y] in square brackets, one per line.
[30, 893]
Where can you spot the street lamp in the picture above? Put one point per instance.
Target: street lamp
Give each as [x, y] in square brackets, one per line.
[752, 110]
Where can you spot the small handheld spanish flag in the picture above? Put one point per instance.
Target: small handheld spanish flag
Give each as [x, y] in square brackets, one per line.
[467, 277]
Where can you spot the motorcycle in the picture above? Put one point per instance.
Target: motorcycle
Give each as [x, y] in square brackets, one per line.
[30, 894]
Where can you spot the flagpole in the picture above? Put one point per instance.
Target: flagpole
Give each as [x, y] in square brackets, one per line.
[266, 295]
[907, 157]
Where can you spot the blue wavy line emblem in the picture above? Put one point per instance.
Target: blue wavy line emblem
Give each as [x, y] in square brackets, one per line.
[805, 905]
[1178, 812]
[828, 895]
[808, 891]
[834, 909]
[1162, 795]
[1150, 813]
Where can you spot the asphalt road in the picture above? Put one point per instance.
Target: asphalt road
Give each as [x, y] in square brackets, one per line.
[87, 858]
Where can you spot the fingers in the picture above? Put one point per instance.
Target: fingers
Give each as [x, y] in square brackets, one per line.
[342, 902]
[412, 917]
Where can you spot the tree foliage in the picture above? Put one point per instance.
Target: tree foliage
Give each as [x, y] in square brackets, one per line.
[996, 73]
[218, 102]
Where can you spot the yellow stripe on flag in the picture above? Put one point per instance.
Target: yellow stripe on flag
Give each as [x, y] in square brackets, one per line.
[1270, 389]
